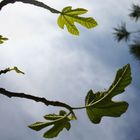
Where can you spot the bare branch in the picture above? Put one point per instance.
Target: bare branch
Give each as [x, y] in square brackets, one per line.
[33, 2]
[4, 71]
[11, 69]
[35, 98]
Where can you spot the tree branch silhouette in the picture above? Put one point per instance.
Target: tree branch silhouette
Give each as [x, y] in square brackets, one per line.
[11, 69]
[35, 98]
[33, 2]
[122, 34]
[4, 71]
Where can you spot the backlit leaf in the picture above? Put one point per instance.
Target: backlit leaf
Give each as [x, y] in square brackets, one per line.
[69, 16]
[100, 104]
[57, 122]
[2, 39]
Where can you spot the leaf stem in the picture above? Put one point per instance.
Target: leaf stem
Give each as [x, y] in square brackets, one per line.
[77, 108]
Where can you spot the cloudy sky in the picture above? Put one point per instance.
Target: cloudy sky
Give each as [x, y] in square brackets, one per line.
[63, 67]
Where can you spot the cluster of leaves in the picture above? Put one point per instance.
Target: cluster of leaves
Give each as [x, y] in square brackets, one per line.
[97, 106]
[135, 12]
[121, 33]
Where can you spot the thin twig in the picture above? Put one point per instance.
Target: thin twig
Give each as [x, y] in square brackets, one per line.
[4, 71]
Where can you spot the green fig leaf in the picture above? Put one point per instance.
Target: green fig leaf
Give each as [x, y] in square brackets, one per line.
[2, 39]
[69, 16]
[100, 104]
[57, 121]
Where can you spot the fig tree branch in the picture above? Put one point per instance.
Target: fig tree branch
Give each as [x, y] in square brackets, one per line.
[33, 2]
[4, 71]
[35, 98]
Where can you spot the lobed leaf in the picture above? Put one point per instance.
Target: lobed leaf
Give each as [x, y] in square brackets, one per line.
[69, 16]
[57, 121]
[100, 104]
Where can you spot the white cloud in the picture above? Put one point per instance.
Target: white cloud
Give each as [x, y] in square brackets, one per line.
[58, 65]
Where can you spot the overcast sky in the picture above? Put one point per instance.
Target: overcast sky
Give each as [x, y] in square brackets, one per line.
[63, 67]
